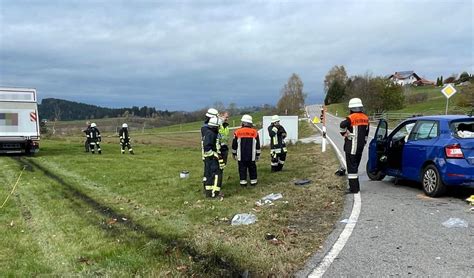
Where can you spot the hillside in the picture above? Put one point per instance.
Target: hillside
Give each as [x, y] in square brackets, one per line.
[51, 108]
[418, 100]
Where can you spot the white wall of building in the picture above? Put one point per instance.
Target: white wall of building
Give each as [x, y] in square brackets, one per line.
[290, 123]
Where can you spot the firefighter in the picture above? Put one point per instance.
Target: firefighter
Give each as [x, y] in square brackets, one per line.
[246, 150]
[355, 130]
[277, 144]
[223, 140]
[213, 162]
[224, 135]
[211, 113]
[125, 139]
[87, 132]
[95, 139]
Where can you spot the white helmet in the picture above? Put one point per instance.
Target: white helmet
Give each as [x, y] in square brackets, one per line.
[125, 125]
[93, 125]
[214, 121]
[211, 112]
[247, 119]
[275, 119]
[355, 103]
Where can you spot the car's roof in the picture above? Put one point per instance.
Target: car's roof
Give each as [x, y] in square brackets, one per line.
[442, 117]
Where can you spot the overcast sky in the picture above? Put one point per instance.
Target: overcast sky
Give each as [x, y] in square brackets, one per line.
[185, 55]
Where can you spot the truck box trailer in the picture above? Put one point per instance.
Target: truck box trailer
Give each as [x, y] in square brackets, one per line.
[19, 121]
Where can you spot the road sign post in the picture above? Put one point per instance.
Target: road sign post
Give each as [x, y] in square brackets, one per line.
[448, 91]
[323, 120]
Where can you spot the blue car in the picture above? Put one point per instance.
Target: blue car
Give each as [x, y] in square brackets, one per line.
[437, 151]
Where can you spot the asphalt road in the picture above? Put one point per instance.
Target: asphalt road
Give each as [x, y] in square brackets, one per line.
[399, 232]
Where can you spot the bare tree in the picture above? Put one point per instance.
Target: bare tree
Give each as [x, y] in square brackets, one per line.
[335, 73]
[57, 116]
[292, 97]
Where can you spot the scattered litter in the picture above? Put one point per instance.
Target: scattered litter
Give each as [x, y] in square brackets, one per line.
[184, 174]
[341, 172]
[273, 239]
[243, 219]
[455, 223]
[302, 182]
[268, 200]
[470, 200]
[269, 236]
[112, 221]
[347, 221]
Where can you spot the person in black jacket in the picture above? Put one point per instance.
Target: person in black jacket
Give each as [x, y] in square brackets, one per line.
[87, 132]
[277, 144]
[213, 162]
[246, 150]
[125, 139]
[95, 139]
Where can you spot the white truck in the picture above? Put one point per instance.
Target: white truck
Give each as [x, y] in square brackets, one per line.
[19, 121]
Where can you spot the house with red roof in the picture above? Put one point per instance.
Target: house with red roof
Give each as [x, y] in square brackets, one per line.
[409, 78]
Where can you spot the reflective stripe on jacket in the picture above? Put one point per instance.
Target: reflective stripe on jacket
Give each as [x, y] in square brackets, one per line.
[246, 144]
[357, 124]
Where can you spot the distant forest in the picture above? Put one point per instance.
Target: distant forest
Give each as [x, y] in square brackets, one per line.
[64, 110]
[52, 109]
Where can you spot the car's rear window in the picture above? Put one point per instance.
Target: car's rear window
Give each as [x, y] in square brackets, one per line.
[463, 129]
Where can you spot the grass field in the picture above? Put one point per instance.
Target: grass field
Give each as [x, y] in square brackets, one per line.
[74, 213]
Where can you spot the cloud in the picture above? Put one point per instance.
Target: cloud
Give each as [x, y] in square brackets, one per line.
[186, 55]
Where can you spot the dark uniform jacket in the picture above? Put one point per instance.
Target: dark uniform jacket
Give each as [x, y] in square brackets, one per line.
[357, 124]
[95, 134]
[209, 142]
[123, 133]
[277, 136]
[246, 144]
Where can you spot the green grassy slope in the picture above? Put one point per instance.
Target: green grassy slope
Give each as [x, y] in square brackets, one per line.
[74, 213]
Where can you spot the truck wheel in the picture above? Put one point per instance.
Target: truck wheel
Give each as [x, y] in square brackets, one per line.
[432, 184]
[375, 176]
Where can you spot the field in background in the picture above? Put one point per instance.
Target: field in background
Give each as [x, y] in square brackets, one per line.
[433, 103]
[123, 215]
[137, 125]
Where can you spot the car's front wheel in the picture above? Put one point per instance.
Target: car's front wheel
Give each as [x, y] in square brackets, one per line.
[375, 176]
[433, 186]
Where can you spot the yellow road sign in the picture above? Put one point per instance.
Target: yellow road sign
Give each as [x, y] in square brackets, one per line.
[448, 91]
[316, 120]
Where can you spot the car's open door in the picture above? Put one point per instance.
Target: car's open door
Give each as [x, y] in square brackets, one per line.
[376, 151]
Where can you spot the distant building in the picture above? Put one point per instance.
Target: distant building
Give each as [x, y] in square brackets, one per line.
[409, 78]
[404, 77]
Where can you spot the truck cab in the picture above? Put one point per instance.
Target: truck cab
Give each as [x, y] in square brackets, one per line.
[19, 121]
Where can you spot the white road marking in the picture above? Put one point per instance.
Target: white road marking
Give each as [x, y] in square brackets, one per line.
[346, 233]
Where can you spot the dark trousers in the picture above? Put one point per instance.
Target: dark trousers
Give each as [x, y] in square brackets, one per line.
[353, 162]
[212, 174]
[251, 167]
[278, 160]
[94, 144]
[126, 144]
[224, 154]
[86, 145]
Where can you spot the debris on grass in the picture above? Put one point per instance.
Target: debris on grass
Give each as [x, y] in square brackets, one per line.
[268, 200]
[455, 223]
[111, 221]
[85, 260]
[302, 182]
[243, 219]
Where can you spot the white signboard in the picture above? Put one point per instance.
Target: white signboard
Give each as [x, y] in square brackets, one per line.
[290, 123]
